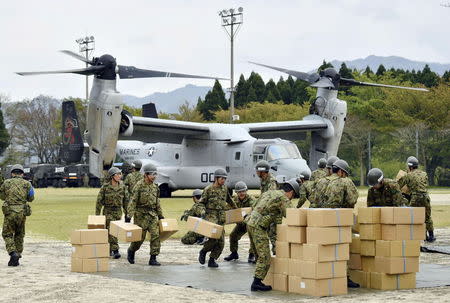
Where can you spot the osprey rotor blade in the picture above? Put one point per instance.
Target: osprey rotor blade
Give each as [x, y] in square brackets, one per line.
[81, 71]
[345, 81]
[311, 78]
[76, 56]
[131, 72]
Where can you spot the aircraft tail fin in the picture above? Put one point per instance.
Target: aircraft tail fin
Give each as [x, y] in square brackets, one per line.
[149, 110]
[72, 143]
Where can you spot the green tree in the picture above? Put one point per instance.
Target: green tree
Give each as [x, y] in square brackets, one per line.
[214, 100]
[258, 85]
[251, 97]
[240, 96]
[4, 136]
[368, 71]
[428, 78]
[300, 93]
[381, 70]
[446, 76]
[345, 72]
[272, 93]
[285, 91]
[324, 65]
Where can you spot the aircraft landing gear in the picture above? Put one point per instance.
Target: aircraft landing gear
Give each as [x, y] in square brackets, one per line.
[164, 191]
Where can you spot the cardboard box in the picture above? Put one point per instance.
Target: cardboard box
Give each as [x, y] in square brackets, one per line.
[125, 232]
[296, 216]
[355, 227]
[96, 222]
[323, 270]
[89, 236]
[360, 277]
[268, 280]
[370, 231]
[280, 282]
[404, 248]
[296, 234]
[326, 253]
[282, 232]
[390, 282]
[355, 246]
[355, 262]
[237, 215]
[328, 235]
[281, 266]
[296, 251]
[402, 232]
[90, 265]
[295, 268]
[368, 264]
[283, 249]
[272, 264]
[89, 251]
[368, 248]
[396, 265]
[294, 284]
[324, 287]
[167, 227]
[205, 228]
[369, 215]
[325, 217]
[402, 215]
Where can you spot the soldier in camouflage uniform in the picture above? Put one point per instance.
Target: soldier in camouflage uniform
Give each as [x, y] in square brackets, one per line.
[130, 181]
[242, 199]
[321, 185]
[417, 182]
[383, 191]
[192, 237]
[270, 208]
[112, 197]
[306, 188]
[321, 171]
[146, 210]
[213, 204]
[16, 192]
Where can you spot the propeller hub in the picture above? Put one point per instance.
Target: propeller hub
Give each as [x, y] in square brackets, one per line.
[331, 74]
[109, 64]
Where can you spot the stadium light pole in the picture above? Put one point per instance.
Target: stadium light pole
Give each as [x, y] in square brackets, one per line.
[232, 20]
[86, 45]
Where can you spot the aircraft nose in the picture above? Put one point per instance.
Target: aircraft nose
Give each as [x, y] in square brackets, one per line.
[289, 168]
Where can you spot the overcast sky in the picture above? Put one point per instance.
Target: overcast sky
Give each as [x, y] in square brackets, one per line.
[186, 37]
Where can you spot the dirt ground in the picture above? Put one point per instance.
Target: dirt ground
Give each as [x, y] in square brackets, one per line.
[44, 276]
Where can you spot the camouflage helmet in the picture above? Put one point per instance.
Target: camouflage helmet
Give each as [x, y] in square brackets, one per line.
[220, 173]
[305, 174]
[322, 163]
[137, 164]
[343, 165]
[113, 170]
[197, 192]
[17, 167]
[374, 176]
[149, 168]
[240, 186]
[412, 161]
[294, 184]
[263, 166]
[331, 161]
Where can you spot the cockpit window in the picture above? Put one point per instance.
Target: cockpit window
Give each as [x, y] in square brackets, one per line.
[283, 151]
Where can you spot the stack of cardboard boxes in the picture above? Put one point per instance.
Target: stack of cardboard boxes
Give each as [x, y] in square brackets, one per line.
[386, 253]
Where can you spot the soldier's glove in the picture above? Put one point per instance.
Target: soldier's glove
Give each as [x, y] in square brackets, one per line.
[161, 218]
[184, 216]
[127, 219]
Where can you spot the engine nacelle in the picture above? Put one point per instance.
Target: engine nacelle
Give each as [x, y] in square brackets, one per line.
[126, 124]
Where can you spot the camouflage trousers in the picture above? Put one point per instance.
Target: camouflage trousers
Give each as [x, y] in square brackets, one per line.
[112, 215]
[125, 208]
[260, 241]
[215, 246]
[148, 223]
[14, 231]
[190, 238]
[238, 231]
[273, 236]
[423, 200]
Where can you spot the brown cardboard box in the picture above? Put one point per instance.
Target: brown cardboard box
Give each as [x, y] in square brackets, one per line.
[89, 236]
[370, 231]
[324, 217]
[328, 235]
[323, 270]
[125, 232]
[280, 282]
[324, 287]
[296, 251]
[368, 264]
[325, 253]
[282, 232]
[405, 248]
[237, 215]
[268, 280]
[272, 264]
[355, 246]
[355, 227]
[360, 277]
[283, 249]
[396, 265]
[402, 215]
[88, 251]
[205, 228]
[369, 215]
[296, 216]
[355, 262]
[390, 282]
[402, 232]
[294, 283]
[295, 268]
[281, 266]
[296, 234]
[90, 265]
[167, 227]
[96, 222]
[368, 248]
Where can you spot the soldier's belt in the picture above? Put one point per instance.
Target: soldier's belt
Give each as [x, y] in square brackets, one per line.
[145, 208]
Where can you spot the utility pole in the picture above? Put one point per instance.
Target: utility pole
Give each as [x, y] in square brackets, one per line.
[86, 46]
[232, 20]
[369, 143]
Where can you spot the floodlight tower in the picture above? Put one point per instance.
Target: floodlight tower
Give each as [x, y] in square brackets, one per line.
[232, 20]
[86, 45]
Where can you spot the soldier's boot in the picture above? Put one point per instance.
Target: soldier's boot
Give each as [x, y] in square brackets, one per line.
[352, 284]
[202, 256]
[20, 255]
[130, 256]
[233, 256]
[127, 219]
[251, 258]
[14, 259]
[212, 263]
[257, 285]
[116, 254]
[430, 237]
[153, 262]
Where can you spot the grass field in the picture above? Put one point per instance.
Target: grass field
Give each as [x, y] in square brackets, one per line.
[56, 212]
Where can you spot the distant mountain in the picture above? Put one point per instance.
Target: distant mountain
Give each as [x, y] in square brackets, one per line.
[170, 101]
[392, 61]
